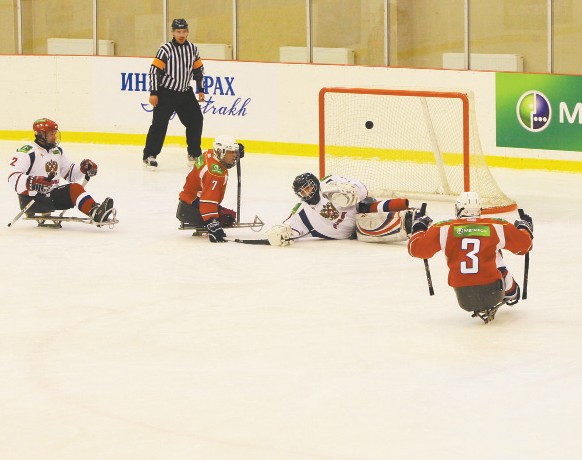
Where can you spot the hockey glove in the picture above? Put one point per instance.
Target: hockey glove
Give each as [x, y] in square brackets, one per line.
[421, 224]
[215, 232]
[241, 150]
[280, 235]
[526, 223]
[40, 184]
[88, 168]
[365, 205]
[227, 217]
[340, 194]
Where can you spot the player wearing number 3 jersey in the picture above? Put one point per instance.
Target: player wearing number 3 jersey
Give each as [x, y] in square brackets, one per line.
[472, 246]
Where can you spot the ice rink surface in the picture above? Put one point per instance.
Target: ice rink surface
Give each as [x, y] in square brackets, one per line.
[143, 342]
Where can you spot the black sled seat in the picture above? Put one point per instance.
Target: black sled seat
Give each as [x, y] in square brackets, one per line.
[483, 301]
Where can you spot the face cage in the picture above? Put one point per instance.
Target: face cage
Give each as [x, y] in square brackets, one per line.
[302, 193]
[41, 135]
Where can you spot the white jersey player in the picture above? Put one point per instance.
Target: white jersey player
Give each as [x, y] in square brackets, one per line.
[36, 169]
[332, 209]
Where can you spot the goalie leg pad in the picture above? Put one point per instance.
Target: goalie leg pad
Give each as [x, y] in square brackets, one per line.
[381, 227]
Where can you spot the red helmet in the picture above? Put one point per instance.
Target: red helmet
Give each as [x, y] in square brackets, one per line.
[41, 128]
[44, 125]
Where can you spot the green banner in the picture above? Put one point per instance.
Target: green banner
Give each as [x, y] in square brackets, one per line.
[539, 111]
[468, 230]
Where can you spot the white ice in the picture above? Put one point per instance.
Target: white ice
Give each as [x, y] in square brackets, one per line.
[143, 342]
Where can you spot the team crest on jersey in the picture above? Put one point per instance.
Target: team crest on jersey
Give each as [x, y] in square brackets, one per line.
[329, 212]
[51, 168]
[216, 169]
[463, 231]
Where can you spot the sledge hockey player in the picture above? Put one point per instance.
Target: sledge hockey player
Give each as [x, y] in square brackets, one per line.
[35, 172]
[204, 190]
[337, 208]
[472, 246]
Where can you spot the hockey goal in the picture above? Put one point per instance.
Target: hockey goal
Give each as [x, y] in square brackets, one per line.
[420, 144]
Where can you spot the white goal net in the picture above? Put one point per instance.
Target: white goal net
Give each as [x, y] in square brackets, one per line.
[422, 144]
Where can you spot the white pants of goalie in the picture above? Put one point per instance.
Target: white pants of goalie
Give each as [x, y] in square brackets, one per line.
[381, 227]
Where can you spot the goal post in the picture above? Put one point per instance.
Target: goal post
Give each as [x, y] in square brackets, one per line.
[413, 143]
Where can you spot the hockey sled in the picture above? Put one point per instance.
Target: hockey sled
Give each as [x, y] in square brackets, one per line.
[55, 221]
[256, 225]
[487, 315]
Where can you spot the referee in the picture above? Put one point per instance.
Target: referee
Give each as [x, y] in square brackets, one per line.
[175, 65]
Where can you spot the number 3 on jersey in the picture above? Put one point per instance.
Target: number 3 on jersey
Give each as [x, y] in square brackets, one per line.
[472, 245]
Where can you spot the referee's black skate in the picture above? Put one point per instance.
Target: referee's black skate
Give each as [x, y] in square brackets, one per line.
[151, 163]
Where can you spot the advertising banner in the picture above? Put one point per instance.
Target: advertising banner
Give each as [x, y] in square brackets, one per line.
[539, 111]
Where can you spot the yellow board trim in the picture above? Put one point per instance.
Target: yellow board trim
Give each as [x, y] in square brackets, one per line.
[312, 150]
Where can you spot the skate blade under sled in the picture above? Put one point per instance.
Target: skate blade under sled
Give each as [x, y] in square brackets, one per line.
[256, 225]
[55, 221]
[487, 315]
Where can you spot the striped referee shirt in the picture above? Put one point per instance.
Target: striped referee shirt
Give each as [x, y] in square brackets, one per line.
[175, 66]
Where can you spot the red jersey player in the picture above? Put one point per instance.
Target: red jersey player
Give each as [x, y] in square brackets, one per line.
[472, 246]
[205, 187]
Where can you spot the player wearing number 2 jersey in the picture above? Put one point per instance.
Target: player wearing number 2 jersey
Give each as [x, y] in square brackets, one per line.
[472, 246]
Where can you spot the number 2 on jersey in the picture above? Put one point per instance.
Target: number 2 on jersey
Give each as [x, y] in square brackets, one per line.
[473, 245]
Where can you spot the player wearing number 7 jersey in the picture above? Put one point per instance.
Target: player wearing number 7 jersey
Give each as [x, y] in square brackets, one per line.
[472, 246]
[205, 186]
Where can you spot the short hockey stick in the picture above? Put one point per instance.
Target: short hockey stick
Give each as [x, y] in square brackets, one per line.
[238, 190]
[264, 241]
[31, 202]
[526, 265]
[19, 215]
[426, 267]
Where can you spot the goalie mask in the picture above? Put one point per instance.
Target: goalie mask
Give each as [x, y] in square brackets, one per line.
[468, 205]
[306, 186]
[46, 133]
[226, 150]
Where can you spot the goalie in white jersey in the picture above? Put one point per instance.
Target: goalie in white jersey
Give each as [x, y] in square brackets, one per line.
[37, 167]
[338, 208]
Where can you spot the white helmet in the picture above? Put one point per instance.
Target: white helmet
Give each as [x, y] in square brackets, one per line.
[223, 144]
[468, 205]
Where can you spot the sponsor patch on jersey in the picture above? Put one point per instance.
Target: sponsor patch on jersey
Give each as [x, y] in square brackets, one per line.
[463, 231]
[199, 162]
[25, 148]
[216, 169]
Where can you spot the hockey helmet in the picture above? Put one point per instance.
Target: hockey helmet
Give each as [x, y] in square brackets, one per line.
[179, 24]
[46, 133]
[222, 145]
[468, 204]
[306, 186]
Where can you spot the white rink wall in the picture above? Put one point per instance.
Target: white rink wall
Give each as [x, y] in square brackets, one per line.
[272, 103]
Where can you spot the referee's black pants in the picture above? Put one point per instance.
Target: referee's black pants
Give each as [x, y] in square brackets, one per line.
[188, 110]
